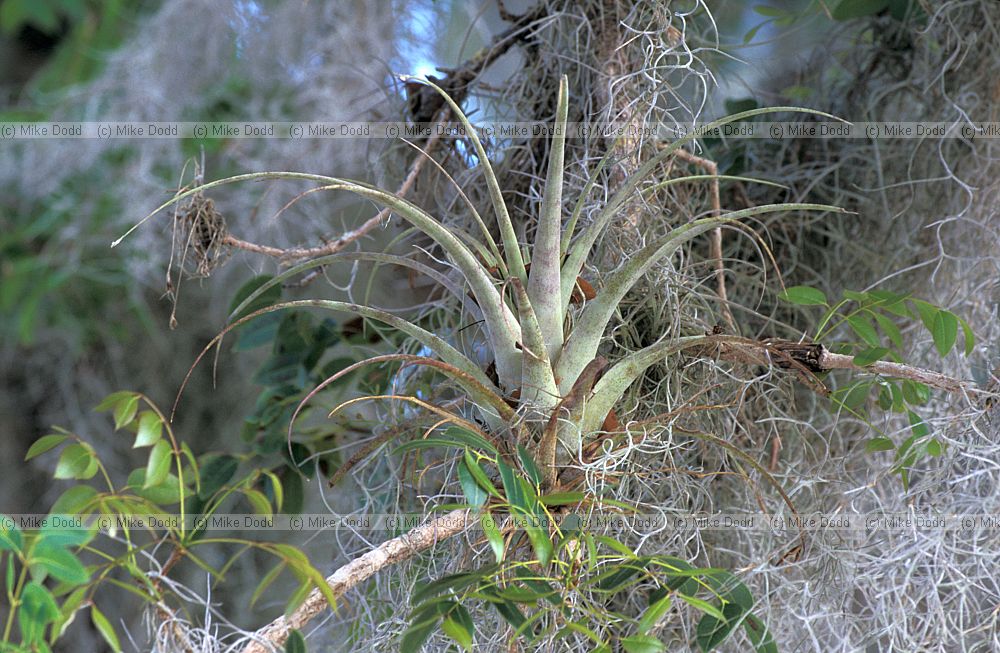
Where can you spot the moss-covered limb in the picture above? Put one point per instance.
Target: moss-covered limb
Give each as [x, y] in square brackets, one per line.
[359, 570]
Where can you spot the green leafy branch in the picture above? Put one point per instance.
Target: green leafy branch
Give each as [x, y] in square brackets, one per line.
[876, 347]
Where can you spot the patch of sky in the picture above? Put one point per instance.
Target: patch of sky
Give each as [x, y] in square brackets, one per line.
[247, 18]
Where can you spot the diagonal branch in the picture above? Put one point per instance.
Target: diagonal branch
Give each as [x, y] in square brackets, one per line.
[298, 253]
[271, 637]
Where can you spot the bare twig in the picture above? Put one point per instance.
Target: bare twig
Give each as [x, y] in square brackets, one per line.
[273, 636]
[298, 253]
[715, 244]
[815, 358]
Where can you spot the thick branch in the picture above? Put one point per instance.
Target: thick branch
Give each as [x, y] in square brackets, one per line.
[273, 636]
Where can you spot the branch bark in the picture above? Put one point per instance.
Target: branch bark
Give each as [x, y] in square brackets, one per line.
[810, 358]
[272, 637]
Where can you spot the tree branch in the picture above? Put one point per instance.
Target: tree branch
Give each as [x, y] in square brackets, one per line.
[273, 636]
[810, 358]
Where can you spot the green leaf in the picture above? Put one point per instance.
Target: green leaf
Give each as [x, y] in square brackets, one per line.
[125, 410]
[884, 396]
[758, 635]
[493, 535]
[944, 330]
[258, 332]
[453, 582]
[38, 609]
[512, 488]
[617, 546]
[870, 355]
[76, 461]
[150, 430]
[915, 393]
[113, 399]
[458, 626]
[477, 473]
[541, 543]
[562, 498]
[295, 643]
[418, 633]
[275, 489]
[104, 627]
[528, 463]
[62, 535]
[703, 605]
[863, 329]
[158, 465]
[804, 296]
[653, 614]
[642, 644]
[927, 312]
[11, 575]
[879, 444]
[890, 302]
[737, 601]
[166, 493]
[852, 396]
[298, 596]
[511, 613]
[59, 563]
[934, 447]
[850, 9]
[67, 612]
[474, 493]
[216, 471]
[45, 443]
[747, 38]
[466, 438]
[10, 535]
[890, 329]
[266, 582]
[617, 577]
[918, 426]
[258, 502]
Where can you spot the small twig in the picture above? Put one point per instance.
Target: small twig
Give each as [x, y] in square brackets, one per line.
[298, 253]
[715, 244]
[396, 550]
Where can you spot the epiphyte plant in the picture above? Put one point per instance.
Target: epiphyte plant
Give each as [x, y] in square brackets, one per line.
[552, 388]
